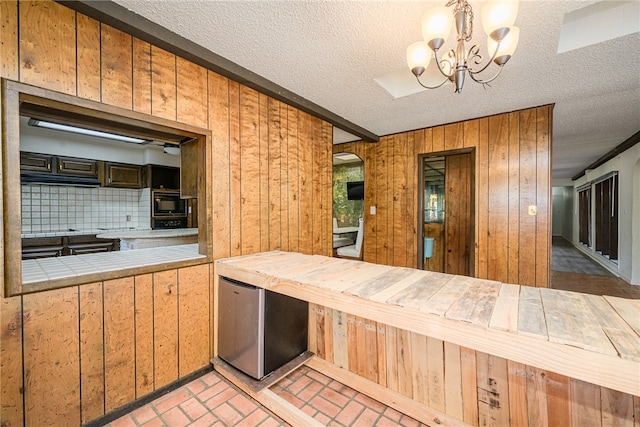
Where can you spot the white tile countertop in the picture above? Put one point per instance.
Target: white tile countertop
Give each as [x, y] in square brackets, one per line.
[148, 234]
[75, 232]
[47, 269]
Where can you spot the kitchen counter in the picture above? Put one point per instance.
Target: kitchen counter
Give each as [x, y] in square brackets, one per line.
[587, 337]
[77, 232]
[103, 266]
[148, 234]
[142, 239]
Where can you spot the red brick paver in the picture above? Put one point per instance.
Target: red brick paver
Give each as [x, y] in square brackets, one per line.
[334, 404]
[208, 401]
[211, 401]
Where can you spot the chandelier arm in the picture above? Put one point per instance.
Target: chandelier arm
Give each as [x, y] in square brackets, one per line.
[435, 52]
[495, 52]
[471, 74]
[430, 87]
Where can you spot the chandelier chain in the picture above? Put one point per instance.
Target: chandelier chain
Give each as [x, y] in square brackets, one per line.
[463, 5]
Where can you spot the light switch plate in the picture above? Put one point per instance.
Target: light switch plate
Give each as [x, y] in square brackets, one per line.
[372, 210]
[533, 210]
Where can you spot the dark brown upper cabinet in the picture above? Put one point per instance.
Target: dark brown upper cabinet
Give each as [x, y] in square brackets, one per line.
[122, 175]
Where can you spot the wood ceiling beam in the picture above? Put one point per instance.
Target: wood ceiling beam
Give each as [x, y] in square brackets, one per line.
[125, 20]
[621, 148]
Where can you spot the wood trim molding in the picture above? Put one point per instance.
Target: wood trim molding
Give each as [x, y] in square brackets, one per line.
[624, 146]
[122, 19]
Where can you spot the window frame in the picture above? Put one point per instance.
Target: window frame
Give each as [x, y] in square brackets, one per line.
[603, 224]
[13, 94]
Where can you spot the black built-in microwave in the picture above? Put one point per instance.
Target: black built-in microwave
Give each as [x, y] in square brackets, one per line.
[168, 210]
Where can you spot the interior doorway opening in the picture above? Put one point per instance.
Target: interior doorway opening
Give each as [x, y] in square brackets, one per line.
[348, 205]
[446, 194]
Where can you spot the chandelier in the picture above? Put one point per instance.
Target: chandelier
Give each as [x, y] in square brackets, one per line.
[498, 17]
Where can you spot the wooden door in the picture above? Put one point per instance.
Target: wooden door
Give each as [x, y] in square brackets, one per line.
[458, 220]
[453, 246]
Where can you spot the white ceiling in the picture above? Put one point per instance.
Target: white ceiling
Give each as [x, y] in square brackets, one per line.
[330, 52]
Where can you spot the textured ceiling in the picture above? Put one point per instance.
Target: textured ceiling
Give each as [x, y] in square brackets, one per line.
[330, 52]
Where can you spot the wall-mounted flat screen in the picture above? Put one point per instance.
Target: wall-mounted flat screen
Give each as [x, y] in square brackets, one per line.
[355, 190]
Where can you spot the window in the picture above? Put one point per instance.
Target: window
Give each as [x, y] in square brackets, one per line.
[598, 216]
[606, 217]
[19, 99]
[584, 216]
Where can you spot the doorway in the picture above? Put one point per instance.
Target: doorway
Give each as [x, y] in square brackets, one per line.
[348, 205]
[447, 212]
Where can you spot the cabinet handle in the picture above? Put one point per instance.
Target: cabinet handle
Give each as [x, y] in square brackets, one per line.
[60, 166]
[48, 166]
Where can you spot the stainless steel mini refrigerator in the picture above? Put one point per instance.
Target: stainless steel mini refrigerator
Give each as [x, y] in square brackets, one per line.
[259, 330]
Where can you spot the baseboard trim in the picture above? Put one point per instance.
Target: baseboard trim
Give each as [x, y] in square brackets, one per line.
[132, 406]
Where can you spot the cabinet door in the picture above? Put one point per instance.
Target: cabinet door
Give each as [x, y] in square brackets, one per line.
[36, 162]
[42, 247]
[191, 168]
[123, 176]
[77, 167]
[89, 244]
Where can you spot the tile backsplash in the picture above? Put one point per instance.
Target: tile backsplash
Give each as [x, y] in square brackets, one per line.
[49, 208]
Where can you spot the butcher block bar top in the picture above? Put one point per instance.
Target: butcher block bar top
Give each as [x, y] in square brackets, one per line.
[592, 338]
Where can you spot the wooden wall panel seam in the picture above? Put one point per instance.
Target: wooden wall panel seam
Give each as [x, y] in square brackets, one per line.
[104, 351]
[178, 354]
[75, 17]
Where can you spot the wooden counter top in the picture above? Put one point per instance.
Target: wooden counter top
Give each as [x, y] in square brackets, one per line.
[592, 338]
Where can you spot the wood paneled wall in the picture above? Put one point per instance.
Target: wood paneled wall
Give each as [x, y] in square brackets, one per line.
[271, 174]
[73, 354]
[512, 172]
[477, 388]
[98, 346]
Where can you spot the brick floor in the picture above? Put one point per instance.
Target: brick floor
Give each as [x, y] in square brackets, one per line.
[335, 404]
[208, 401]
[212, 401]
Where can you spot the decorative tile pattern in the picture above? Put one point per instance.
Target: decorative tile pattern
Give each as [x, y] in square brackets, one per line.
[335, 404]
[212, 401]
[208, 401]
[47, 209]
[42, 269]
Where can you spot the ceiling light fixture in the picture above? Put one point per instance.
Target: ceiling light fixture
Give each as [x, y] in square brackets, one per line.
[88, 132]
[498, 17]
[174, 150]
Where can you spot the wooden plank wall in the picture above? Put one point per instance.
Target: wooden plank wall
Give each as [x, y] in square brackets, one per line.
[477, 388]
[512, 172]
[98, 346]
